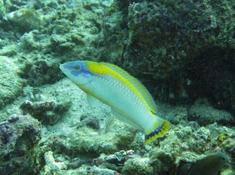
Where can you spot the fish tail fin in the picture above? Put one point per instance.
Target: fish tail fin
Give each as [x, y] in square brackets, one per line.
[161, 128]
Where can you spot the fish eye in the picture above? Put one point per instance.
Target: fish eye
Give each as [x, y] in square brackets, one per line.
[77, 67]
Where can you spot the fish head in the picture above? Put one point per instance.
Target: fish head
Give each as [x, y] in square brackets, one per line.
[77, 71]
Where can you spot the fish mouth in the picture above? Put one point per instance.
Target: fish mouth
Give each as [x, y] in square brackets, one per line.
[63, 67]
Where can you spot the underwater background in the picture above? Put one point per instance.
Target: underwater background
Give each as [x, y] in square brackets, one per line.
[182, 50]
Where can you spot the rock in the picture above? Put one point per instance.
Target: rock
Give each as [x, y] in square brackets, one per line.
[88, 141]
[92, 122]
[205, 114]
[27, 41]
[10, 83]
[162, 162]
[209, 165]
[160, 52]
[41, 72]
[24, 19]
[87, 170]
[62, 44]
[114, 161]
[175, 114]
[52, 166]
[8, 50]
[48, 112]
[189, 143]
[119, 157]
[69, 38]
[137, 166]
[2, 9]
[18, 136]
[229, 145]
[182, 51]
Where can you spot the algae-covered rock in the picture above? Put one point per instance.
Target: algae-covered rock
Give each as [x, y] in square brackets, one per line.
[205, 114]
[89, 121]
[211, 164]
[48, 112]
[162, 162]
[2, 9]
[173, 113]
[40, 72]
[171, 42]
[88, 170]
[10, 83]
[115, 161]
[24, 19]
[138, 166]
[18, 136]
[76, 29]
[28, 42]
[90, 142]
[182, 50]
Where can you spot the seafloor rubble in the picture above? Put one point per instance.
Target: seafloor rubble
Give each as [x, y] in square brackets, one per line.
[182, 50]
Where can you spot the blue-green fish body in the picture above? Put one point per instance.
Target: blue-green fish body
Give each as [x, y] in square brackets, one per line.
[127, 97]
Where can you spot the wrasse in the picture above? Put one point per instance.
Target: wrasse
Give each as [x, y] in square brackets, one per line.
[129, 100]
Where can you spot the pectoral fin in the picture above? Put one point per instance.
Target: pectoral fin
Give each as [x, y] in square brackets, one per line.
[93, 102]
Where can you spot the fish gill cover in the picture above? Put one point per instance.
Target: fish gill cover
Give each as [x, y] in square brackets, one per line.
[183, 51]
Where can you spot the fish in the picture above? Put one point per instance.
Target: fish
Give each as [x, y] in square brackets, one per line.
[128, 98]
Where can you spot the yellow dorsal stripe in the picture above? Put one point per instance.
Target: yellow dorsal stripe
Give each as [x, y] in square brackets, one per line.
[102, 69]
[139, 86]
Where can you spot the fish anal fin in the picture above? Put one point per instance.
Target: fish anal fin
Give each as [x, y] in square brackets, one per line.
[124, 119]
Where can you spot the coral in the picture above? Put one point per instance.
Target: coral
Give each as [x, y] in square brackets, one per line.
[40, 72]
[87, 170]
[169, 42]
[174, 113]
[10, 83]
[181, 50]
[80, 141]
[211, 164]
[18, 136]
[137, 166]
[205, 114]
[114, 161]
[24, 19]
[8, 50]
[52, 166]
[187, 144]
[28, 41]
[91, 122]
[162, 162]
[2, 9]
[48, 112]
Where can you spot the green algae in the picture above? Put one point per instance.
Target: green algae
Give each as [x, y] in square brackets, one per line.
[24, 19]
[137, 166]
[10, 83]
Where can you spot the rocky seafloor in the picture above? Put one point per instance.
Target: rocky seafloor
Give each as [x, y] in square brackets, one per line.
[182, 50]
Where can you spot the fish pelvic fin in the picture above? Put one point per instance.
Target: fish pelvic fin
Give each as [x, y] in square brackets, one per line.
[160, 131]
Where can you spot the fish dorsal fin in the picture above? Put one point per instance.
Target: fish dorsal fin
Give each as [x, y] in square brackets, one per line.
[137, 84]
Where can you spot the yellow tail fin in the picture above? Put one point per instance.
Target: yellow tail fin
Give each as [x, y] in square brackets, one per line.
[158, 132]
